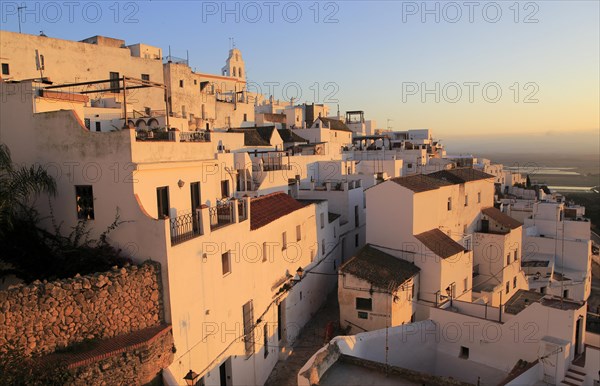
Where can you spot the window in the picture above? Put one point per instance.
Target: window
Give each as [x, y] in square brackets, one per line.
[334, 233]
[514, 282]
[98, 126]
[479, 197]
[146, 77]
[283, 241]
[183, 111]
[465, 284]
[248, 315]
[245, 117]
[266, 339]
[449, 203]
[322, 217]
[114, 82]
[565, 293]
[543, 290]
[181, 83]
[466, 200]
[265, 255]
[195, 81]
[84, 197]
[508, 259]
[409, 166]
[363, 315]
[516, 254]
[162, 200]
[323, 247]
[224, 188]
[298, 232]
[464, 352]
[5, 69]
[507, 287]
[356, 216]
[226, 263]
[364, 304]
[356, 240]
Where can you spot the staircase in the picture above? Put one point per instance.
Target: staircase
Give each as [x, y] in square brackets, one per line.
[575, 376]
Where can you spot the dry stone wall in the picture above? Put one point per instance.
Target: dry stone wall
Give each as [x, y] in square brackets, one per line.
[43, 316]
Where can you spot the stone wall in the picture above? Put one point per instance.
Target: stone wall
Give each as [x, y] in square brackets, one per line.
[139, 365]
[43, 316]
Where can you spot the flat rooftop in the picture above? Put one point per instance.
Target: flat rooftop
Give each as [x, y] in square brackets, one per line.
[349, 374]
[523, 298]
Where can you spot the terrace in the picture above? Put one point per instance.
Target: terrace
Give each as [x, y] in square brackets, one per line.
[206, 219]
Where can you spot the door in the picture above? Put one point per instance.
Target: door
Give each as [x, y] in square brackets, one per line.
[485, 226]
[114, 82]
[223, 373]
[195, 197]
[224, 189]
[162, 201]
[578, 333]
[279, 332]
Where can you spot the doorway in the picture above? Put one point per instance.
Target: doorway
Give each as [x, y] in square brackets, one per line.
[225, 373]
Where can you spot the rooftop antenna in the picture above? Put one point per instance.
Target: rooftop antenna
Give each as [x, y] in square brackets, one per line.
[388, 124]
[19, 16]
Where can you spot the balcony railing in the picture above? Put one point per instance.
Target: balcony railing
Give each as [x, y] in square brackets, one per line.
[194, 136]
[185, 227]
[242, 211]
[221, 215]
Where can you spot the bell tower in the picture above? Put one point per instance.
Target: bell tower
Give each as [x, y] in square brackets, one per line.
[234, 66]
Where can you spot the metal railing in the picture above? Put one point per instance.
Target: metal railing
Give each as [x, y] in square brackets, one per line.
[221, 215]
[242, 210]
[185, 227]
[194, 136]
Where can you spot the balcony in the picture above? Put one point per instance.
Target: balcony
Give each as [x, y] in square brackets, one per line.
[172, 136]
[194, 136]
[332, 185]
[206, 219]
[186, 227]
[225, 214]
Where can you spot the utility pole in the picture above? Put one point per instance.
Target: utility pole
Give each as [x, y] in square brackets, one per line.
[19, 16]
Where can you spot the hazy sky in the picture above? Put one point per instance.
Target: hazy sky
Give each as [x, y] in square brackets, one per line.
[460, 68]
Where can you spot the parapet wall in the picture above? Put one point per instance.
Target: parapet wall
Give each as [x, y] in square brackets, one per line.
[43, 316]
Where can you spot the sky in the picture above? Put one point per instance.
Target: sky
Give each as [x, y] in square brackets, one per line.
[473, 72]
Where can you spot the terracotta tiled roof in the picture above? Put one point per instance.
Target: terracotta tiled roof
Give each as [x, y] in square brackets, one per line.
[440, 243]
[269, 208]
[501, 218]
[379, 268]
[335, 124]
[460, 175]
[420, 182]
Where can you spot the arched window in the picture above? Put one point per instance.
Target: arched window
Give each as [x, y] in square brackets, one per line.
[240, 72]
[234, 73]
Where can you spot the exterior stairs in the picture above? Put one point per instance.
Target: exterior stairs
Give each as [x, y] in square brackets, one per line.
[575, 376]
